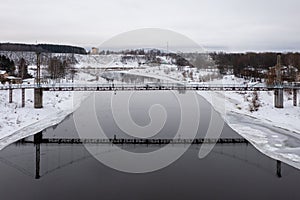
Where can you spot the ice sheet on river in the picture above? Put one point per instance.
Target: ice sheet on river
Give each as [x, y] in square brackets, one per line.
[276, 142]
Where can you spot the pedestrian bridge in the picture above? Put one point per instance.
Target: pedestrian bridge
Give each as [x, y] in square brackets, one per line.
[152, 86]
[179, 86]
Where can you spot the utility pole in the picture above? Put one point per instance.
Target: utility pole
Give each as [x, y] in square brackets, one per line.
[278, 70]
[167, 47]
[278, 94]
[38, 70]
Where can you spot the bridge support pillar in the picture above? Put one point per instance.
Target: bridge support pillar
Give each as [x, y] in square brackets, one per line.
[37, 161]
[23, 97]
[278, 95]
[10, 93]
[37, 138]
[295, 91]
[278, 167]
[38, 98]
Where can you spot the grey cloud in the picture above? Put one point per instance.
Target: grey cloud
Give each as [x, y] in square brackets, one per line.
[234, 24]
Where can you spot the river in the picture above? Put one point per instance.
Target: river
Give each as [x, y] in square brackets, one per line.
[69, 171]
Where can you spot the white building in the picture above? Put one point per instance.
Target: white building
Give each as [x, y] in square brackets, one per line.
[94, 51]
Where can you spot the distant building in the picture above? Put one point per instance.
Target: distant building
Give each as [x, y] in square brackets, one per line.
[287, 74]
[14, 80]
[94, 51]
[28, 81]
[251, 72]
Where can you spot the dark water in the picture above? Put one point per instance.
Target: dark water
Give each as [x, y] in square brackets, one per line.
[128, 78]
[68, 171]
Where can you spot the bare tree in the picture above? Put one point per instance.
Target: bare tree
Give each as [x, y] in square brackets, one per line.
[57, 68]
[22, 69]
[254, 103]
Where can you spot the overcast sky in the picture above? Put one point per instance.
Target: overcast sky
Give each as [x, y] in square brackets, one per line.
[229, 25]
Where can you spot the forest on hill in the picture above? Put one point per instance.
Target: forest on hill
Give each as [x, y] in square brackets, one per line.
[239, 61]
[47, 48]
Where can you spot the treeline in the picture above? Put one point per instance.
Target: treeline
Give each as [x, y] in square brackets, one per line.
[57, 67]
[240, 61]
[47, 48]
[7, 65]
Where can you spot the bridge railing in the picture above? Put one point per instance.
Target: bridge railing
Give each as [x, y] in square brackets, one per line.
[162, 86]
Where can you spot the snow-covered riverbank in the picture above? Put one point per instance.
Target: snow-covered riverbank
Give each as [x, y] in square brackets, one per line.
[275, 132]
[17, 122]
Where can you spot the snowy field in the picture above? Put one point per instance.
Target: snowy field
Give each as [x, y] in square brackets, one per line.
[275, 132]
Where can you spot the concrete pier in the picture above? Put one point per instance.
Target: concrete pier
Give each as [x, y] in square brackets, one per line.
[278, 95]
[295, 91]
[23, 97]
[10, 94]
[38, 98]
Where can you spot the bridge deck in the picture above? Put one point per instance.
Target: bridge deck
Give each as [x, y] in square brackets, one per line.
[140, 141]
[153, 87]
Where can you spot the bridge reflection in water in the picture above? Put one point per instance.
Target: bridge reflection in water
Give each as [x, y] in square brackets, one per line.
[53, 154]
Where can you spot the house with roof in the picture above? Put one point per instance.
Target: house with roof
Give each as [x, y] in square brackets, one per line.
[3, 75]
[94, 51]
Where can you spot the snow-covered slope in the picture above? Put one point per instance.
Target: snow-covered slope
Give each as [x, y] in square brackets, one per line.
[96, 61]
[275, 132]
